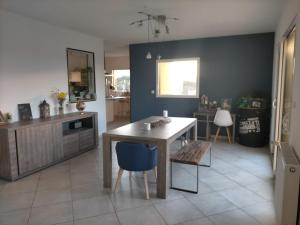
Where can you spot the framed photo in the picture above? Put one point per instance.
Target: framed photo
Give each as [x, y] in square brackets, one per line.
[24, 112]
[2, 118]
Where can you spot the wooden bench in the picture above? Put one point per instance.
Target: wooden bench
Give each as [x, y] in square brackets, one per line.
[191, 154]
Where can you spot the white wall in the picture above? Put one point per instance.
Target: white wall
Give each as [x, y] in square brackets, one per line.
[33, 62]
[291, 13]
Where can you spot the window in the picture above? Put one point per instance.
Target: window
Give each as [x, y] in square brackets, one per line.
[178, 78]
[121, 80]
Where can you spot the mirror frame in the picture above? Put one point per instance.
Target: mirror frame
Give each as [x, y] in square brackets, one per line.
[83, 51]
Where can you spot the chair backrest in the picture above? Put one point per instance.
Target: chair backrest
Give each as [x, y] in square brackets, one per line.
[223, 118]
[136, 156]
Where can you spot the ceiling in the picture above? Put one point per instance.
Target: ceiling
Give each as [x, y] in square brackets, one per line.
[109, 19]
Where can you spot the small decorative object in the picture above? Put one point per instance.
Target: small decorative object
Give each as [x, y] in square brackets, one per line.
[213, 105]
[226, 103]
[204, 101]
[44, 110]
[61, 97]
[147, 126]
[2, 119]
[251, 103]
[80, 106]
[165, 113]
[8, 117]
[24, 112]
[257, 103]
[159, 122]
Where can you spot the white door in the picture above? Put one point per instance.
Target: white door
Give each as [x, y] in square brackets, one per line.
[284, 98]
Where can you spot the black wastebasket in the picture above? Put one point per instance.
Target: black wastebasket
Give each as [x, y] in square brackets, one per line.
[252, 127]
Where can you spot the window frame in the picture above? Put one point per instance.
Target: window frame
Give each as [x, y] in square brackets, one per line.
[179, 96]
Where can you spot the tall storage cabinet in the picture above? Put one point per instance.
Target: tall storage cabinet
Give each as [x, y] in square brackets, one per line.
[26, 147]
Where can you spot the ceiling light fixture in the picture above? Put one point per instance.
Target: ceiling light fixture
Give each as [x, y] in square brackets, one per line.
[148, 56]
[158, 26]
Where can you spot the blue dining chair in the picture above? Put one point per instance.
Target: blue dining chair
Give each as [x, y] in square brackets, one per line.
[136, 157]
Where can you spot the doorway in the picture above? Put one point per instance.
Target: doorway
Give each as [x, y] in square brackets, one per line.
[117, 98]
[284, 98]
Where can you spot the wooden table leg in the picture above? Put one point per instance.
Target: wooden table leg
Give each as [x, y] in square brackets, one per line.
[162, 185]
[107, 161]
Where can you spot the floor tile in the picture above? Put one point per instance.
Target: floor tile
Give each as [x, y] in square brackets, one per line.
[201, 221]
[263, 189]
[243, 178]
[212, 203]
[88, 190]
[202, 189]
[140, 216]
[84, 177]
[54, 171]
[19, 217]
[172, 195]
[219, 182]
[21, 186]
[66, 223]
[129, 200]
[223, 167]
[130, 195]
[241, 197]
[178, 211]
[52, 196]
[60, 181]
[262, 212]
[14, 201]
[108, 219]
[51, 214]
[92, 207]
[235, 217]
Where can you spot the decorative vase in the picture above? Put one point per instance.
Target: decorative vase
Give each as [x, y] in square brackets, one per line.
[61, 107]
[80, 106]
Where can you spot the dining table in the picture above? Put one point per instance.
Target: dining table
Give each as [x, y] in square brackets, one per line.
[162, 136]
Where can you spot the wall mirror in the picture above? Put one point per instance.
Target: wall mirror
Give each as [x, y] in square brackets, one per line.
[81, 75]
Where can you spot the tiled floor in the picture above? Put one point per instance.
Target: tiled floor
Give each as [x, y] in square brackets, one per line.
[236, 190]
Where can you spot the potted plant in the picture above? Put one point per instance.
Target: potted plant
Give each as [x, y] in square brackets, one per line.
[8, 117]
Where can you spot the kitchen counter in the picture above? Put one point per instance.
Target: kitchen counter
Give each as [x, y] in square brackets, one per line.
[117, 98]
[117, 108]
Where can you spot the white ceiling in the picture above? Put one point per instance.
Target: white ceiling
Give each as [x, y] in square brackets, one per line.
[109, 19]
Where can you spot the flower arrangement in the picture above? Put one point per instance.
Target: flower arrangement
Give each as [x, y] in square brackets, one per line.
[61, 97]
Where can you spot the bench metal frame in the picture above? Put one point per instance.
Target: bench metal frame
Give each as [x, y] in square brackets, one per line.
[187, 190]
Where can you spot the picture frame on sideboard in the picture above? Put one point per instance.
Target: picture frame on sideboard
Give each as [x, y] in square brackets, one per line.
[25, 113]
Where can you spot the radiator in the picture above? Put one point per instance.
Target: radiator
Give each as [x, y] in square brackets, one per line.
[287, 186]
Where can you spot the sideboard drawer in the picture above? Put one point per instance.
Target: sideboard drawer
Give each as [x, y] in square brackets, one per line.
[86, 139]
[71, 144]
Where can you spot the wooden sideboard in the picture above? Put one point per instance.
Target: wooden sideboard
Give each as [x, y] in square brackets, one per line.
[26, 147]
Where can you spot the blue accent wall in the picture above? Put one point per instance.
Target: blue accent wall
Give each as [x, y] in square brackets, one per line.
[229, 68]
